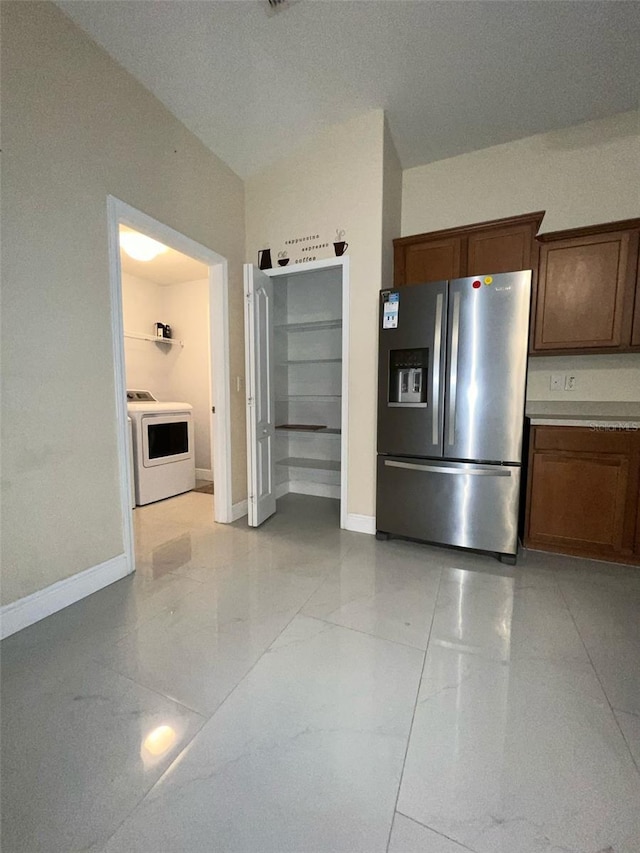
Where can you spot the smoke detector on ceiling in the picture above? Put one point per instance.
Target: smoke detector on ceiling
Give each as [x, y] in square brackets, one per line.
[272, 7]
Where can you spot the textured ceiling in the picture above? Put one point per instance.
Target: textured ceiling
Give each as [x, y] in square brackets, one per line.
[452, 76]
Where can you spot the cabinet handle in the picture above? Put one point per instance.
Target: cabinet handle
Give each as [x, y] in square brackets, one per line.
[453, 384]
[437, 345]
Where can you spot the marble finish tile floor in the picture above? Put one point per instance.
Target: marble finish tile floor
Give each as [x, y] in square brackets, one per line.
[303, 689]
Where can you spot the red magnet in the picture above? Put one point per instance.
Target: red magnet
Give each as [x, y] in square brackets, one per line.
[476, 284]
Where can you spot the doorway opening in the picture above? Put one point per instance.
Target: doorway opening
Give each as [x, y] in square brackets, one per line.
[171, 365]
[296, 326]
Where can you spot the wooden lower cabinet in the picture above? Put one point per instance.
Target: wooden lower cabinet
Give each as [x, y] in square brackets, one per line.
[583, 493]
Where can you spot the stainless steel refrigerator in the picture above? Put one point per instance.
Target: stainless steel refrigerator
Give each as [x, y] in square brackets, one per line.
[451, 398]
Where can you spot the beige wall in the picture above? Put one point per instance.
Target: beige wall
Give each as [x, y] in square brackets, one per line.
[391, 205]
[147, 365]
[335, 181]
[77, 128]
[598, 377]
[581, 176]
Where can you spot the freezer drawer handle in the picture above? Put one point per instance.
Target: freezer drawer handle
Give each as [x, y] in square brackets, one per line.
[437, 344]
[453, 383]
[440, 469]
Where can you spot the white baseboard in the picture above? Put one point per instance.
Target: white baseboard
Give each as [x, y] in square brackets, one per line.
[361, 523]
[204, 474]
[32, 608]
[282, 489]
[239, 510]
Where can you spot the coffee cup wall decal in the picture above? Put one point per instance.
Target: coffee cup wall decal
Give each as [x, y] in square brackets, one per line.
[283, 259]
[339, 245]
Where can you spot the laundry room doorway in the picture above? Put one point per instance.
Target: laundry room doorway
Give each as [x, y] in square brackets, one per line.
[169, 309]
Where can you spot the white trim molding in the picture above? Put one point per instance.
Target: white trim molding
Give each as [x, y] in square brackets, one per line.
[361, 523]
[204, 474]
[239, 510]
[32, 608]
[121, 213]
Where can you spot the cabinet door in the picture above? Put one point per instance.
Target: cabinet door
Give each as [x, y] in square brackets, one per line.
[577, 501]
[637, 542]
[585, 292]
[499, 250]
[433, 260]
[583, 488]
[258, 331]
[635, 333]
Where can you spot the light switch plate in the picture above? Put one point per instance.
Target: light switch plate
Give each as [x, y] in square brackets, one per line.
[557, 382]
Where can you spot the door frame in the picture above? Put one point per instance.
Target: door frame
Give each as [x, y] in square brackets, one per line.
[343, 264]
[121, 213]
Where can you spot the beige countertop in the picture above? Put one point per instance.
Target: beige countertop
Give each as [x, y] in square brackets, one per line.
[583, 413]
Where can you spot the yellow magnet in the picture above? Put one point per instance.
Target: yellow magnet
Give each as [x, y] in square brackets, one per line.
[488, 280]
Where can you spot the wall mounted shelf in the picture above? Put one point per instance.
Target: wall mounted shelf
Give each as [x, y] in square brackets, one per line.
[139, 337]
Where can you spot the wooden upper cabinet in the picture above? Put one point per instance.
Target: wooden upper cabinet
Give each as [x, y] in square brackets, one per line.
[432, 261]
[502, 249]
[586, 289]
[635, 332]
[502, 245]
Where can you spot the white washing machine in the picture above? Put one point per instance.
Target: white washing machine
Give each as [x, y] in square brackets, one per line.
[163, 447]
[132, 465]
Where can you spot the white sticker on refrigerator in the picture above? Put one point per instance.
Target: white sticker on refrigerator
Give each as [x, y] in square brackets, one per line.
[390, 311]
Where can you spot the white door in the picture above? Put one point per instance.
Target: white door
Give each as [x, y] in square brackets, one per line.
[258, 327]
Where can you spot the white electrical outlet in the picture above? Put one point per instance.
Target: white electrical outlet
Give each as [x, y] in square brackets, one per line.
[570, 382]
[557, 382]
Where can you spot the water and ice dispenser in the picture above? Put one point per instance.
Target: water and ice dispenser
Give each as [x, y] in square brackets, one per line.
[408, 371]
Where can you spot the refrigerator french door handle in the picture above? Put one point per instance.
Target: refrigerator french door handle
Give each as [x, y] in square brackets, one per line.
[437, 347]
[440, 469]
[453, 383]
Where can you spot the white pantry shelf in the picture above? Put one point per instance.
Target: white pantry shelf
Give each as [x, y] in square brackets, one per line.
[308, 398]
[311, 361]
[285, 430]
[303, 462]
[311, 326]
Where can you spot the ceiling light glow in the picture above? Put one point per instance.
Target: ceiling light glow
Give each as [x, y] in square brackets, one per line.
[140, 247]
